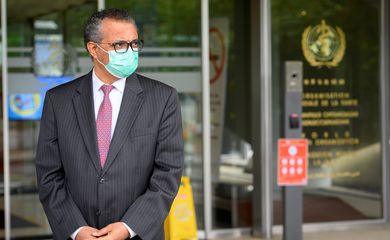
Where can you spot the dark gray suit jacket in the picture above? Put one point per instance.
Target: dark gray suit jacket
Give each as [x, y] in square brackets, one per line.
[142, 173]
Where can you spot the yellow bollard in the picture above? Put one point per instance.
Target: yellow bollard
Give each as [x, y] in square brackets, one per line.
[180, 223]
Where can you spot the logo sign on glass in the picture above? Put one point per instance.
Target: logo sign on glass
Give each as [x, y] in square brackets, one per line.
[323, 45]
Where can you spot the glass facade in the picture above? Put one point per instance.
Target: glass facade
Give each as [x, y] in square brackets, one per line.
[338, 43]
[340, 52]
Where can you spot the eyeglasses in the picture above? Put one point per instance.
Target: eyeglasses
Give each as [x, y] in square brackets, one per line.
[123, 46]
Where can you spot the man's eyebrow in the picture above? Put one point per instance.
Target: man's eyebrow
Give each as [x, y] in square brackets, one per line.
[122, 40]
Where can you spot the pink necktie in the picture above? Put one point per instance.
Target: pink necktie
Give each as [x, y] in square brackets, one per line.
[103, 124]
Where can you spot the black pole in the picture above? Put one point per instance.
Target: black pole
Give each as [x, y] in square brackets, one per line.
[293, 195]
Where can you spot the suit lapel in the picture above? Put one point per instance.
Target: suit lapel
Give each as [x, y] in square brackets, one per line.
[132, 100]
[84, 107]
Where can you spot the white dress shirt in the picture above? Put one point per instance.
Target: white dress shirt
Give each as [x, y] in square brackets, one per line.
[115, 96]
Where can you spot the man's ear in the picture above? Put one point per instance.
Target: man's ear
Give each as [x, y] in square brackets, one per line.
[91, 46]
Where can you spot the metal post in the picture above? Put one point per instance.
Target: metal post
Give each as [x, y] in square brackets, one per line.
[385, 99]
[266, 118]
[7, 192]
[292, 195]
[207, 193]
[257, 198]
[101, 4]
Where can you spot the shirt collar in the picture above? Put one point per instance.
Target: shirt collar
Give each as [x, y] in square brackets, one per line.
[97, 83]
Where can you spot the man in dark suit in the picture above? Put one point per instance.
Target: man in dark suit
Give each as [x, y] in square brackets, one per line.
[110, 149]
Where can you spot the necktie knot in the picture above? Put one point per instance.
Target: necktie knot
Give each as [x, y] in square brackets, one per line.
[107, 89]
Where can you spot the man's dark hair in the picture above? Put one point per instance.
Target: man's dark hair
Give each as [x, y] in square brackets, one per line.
[92, 27]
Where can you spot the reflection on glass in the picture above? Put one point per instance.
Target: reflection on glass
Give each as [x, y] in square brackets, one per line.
[338, 44]
[230, 104]
[45, 48]
[171, 54]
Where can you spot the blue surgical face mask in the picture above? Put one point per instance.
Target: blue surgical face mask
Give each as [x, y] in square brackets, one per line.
[121, 65]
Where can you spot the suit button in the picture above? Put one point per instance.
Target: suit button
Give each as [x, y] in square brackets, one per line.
[101, 181]
[97, 213]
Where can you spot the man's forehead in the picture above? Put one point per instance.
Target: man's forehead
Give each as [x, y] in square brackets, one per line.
[122, 30]
[116, 23]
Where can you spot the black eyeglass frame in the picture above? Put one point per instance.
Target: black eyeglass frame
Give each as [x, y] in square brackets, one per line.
[120, 49]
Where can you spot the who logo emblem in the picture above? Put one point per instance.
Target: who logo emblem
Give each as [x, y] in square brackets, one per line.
[323, 45]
